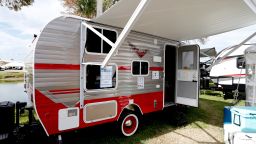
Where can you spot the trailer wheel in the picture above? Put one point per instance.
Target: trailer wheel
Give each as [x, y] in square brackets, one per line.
[128, 123]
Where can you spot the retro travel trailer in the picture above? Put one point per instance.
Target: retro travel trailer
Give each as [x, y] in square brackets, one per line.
[128, 62]
[229, 72]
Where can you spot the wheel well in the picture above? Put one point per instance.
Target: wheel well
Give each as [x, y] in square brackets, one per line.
[132, 107]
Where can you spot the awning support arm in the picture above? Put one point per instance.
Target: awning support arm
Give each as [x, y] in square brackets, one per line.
[231, 51]
[135, 16]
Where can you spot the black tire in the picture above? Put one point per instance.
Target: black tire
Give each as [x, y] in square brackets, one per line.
[128, 123]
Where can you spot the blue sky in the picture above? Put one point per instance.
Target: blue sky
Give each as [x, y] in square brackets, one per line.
[17, 29]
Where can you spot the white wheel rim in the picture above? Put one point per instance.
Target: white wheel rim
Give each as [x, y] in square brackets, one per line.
[132, 124]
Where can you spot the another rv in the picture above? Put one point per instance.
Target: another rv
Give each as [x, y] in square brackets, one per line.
[229, 73]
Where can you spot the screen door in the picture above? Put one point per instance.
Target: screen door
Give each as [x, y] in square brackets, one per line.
[187, 83]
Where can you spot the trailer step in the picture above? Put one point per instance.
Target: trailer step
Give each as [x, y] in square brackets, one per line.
[168, 104]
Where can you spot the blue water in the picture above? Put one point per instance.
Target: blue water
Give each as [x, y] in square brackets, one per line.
[13, 92]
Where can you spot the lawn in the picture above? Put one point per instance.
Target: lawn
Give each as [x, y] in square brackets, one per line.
[204, 125]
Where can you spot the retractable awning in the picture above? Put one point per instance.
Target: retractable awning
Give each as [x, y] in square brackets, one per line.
[182, 19]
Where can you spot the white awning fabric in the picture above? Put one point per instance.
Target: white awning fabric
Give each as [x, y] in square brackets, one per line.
[182, 19]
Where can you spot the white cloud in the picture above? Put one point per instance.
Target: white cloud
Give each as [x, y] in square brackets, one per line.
[32, 18]
[12, 47]
[20, 26]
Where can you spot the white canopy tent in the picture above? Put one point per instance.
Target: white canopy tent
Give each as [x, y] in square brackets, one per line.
[13, 64]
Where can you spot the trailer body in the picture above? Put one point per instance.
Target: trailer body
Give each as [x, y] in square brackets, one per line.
[146, 74]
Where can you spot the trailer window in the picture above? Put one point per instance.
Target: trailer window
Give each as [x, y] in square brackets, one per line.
[144, 68]
[140, 68]
[97, 45]
[100, 78]
[240, 64]
[93, 42]
[111, 35]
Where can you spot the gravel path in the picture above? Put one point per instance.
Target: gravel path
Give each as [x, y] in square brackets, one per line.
[190, 135]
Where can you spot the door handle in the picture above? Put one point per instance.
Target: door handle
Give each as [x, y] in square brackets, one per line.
[194, 81]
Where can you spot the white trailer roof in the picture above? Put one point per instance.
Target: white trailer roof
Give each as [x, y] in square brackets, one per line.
[182, 19]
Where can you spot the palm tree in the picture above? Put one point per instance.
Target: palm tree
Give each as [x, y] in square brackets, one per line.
[86, 8]
[15, 4]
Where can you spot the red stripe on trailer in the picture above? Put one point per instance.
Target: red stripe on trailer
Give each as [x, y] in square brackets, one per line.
[57, 66]
[77, 67]
[68, 92]
[124, 68]
[235, 75]
[64, 90]
[156, 68]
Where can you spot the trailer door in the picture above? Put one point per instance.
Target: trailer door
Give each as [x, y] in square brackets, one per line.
[187, 83]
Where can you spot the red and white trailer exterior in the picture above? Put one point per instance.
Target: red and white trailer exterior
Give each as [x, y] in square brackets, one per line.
[56, 78]
[139, 73]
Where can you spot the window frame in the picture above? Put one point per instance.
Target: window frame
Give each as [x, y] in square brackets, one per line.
[140, 67]
[98, 90]
[102, 28]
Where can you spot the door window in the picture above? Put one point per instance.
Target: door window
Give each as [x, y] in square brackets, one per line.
[188, 60]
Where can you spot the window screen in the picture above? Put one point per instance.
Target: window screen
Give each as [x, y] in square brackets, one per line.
[240, 63]
[100, 78]
[140, 68]
[97, 45]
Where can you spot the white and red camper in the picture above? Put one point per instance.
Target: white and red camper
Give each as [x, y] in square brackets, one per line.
[89, 72]
[228, 68]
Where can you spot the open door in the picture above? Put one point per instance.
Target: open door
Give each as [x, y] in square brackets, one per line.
[187, 84]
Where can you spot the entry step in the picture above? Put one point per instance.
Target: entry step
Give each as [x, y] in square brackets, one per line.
[168, 104]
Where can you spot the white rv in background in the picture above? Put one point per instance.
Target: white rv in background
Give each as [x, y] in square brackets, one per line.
[228, 70]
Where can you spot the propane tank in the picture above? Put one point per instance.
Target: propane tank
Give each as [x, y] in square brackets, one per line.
[250, 60]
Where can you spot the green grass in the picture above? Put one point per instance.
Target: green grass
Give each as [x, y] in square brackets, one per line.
[11, 76]
[210, 110]
[211, 93]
